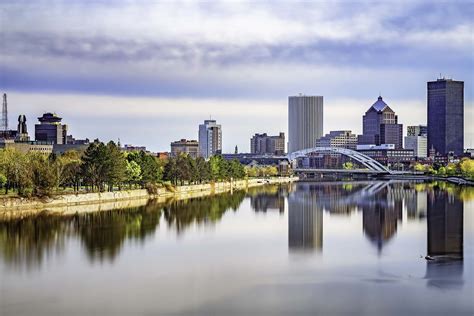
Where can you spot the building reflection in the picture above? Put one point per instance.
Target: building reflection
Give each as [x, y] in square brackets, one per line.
[381, 215]
[268, 198]
[305, 219]
[416, 204]
[445, 240]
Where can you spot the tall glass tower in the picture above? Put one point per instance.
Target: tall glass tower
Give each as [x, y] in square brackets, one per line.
[446, 116]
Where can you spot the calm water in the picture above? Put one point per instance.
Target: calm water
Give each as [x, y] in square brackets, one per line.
[304, 249]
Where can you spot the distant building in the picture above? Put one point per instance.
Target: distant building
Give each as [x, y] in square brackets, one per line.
[70, 140]
[417, 140]
[305, 121]
[162, 155]
[387, 154]
[190, 147]
[210, 139]
[417, 130]
[50, 129]
[267, 145]
[25, 147]
[419, 145]
[380, 126]
[342, 139]
[446, 116]
[132, 148]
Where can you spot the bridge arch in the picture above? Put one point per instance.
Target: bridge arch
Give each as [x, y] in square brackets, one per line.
[365, 160]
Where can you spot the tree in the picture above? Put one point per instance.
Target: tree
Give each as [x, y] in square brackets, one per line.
[116, 166]
[44, 177]
[419, 167]
[95, 168]
[133, 173]
[151, 171]
[202, 170]
[348, 165]
[467, 168]
[171, 171]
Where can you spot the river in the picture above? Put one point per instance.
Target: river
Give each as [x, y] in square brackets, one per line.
[307, 248]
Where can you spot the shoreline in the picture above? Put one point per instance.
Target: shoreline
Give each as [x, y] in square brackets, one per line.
[67, 204]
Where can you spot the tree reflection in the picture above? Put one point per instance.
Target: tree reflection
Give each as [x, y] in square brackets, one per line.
[182, 214]
[28, 241]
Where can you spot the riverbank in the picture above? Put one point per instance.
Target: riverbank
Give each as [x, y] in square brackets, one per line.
[14, 207]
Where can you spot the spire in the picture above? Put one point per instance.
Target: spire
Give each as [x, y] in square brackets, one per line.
[4, 122]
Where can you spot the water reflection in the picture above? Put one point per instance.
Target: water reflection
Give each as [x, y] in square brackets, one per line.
[445, 240]
[268, 198]
[27, 242]
[305, 219]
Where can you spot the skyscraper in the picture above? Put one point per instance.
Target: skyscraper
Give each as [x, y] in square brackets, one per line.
[446, 116]
[380, 126]
[305, 121]
[210, 138]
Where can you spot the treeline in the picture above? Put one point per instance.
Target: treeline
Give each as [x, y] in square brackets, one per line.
[464, 168]
[103, 167]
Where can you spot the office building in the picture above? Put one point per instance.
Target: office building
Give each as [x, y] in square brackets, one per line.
[263, 144]
[417, 140]
[388, 155]
[210, 139]
[417, 130]
[419, 145]
[305, 121]
[446, 116]
[380, 126]
[50, 129]
[342, 139]
[190, 147]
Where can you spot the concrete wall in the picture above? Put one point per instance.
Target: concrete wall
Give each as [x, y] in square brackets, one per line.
[72, 203]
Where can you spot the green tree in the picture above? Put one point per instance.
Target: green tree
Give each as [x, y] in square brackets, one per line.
[133, 173]
[348, 165]
[116, 166]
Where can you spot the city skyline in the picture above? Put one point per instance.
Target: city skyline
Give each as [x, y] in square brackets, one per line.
[157, 79]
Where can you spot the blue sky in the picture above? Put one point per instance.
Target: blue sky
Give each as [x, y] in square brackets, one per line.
[149, 72]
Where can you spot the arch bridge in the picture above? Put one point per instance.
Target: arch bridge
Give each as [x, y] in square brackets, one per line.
[371, 164]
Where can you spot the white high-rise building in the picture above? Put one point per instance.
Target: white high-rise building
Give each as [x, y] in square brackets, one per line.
[305, 121]
[210, 139]
[419, 144]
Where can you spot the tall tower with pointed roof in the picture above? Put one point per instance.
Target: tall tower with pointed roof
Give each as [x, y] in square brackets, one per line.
[380, 126]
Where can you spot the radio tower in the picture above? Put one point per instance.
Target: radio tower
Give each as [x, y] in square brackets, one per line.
[4, 123]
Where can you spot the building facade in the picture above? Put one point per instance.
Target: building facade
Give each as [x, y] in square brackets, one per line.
[305, 121]
[417, 130]
[417, 140]
[190, 147]
[380, 126]
[50, 129]
[388, 154]
[446, 116]
[210, 139]
[342, 139]
[263, 144]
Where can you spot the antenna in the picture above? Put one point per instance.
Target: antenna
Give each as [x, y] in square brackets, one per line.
[4, 122]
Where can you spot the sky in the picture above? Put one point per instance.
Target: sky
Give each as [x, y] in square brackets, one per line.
[149, 72]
